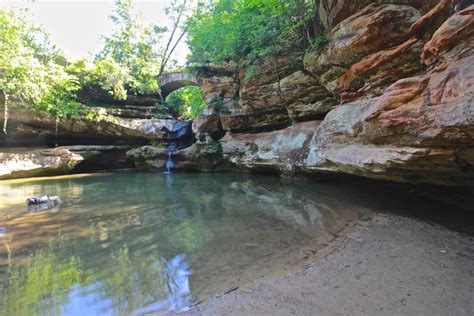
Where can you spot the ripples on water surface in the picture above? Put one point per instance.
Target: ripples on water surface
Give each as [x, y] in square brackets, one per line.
[152, 243]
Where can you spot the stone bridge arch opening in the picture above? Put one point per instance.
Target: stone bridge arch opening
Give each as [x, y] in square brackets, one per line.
[173, 81]
[182, 95]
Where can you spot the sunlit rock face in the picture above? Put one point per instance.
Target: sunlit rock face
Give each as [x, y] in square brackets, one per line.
[62, 160]
[198, 157]
[421, 129]
[331, 12]
[46, 162]
[265, 96]
[278, 151]
[127, 126]
[403, 80]
[372, 29]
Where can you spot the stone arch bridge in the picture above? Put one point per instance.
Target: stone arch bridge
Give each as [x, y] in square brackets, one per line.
[172, 81]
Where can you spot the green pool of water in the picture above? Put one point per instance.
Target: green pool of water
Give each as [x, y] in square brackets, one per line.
[138, 243]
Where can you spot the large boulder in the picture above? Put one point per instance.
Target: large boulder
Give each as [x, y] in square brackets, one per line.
[47, 162]
[198, 157]
[282, 151]
[17, 163]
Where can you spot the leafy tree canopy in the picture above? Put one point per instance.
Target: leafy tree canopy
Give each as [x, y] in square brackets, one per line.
[34, 70]
[221, 30]
[187, 101]
[134, 48]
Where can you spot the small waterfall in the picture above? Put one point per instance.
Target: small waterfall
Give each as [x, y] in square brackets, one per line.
[169, 163]
[182, 137]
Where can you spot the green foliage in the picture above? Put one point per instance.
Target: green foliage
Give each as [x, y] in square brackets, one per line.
[229, 30]
[320, 42]
[32, 69]
[160, 116]
[45, 277]
[131, 51]
[109, 76]
[155, 143]
[217, 102]
[253, 149]
[187, 102]
[215, 148]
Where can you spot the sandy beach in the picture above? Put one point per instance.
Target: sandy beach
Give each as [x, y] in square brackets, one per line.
[387, 265]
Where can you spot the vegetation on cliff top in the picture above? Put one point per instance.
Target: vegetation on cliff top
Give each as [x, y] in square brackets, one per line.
[34, 70]
[224, 30]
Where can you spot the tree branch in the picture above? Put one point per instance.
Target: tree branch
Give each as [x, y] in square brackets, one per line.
[166, 55]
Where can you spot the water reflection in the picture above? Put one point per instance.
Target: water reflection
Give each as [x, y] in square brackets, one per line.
[104, 249]
[103, 253]
[176, 273]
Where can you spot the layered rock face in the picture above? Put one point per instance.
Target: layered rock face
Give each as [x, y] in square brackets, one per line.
[389, 97]
[62, 160]
[87, 145]
[37, 163]
[129, 125]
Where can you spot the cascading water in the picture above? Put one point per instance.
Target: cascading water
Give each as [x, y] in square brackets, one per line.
[170, 163]
[182, 137]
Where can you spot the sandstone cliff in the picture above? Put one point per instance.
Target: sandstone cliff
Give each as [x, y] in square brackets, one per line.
[389, 97]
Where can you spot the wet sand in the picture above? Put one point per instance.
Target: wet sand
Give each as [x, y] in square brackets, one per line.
[387, 265]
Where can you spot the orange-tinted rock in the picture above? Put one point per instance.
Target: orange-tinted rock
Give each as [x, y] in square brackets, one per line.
[331, 12]
[420, 130]
[428, 23]
[375, 72]
[409, 123]
[453, 40]
[372, 29]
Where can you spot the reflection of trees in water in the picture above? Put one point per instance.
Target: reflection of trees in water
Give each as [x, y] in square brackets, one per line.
[44, 284]
[118, 228]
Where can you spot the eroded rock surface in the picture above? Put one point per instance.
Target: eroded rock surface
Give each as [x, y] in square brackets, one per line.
[27, 127]
[26, 163]
[198, 157]
[407, 111]
[332, 12]
[47, 162]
